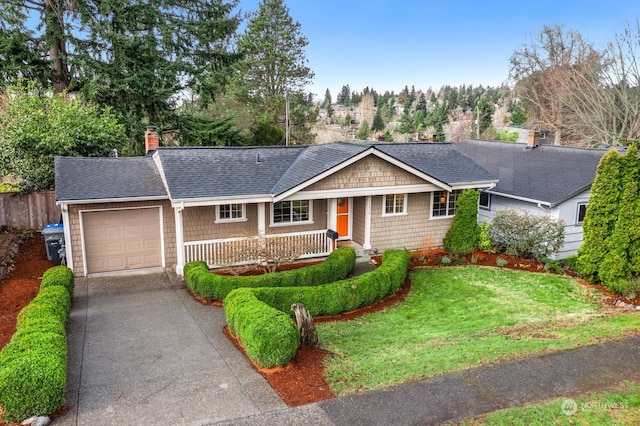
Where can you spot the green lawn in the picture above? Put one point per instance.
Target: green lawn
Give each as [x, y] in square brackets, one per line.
[616, 407]
[461, 317]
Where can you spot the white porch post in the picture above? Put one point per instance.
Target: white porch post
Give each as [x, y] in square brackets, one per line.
[262, 225]
[367, 223]
[179, 239]
[332, 209]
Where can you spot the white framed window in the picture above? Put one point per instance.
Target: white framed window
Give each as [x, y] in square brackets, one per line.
[581, 210]
[291, 212]
[444, 203]
[231, 213]
[394, 204]
[484, 201]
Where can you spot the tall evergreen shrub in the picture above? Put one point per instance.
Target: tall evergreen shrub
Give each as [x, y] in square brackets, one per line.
[600, 218]
[610, 252]
[464, 235]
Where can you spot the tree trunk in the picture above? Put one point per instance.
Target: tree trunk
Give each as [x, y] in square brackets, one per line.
[55, 33]
[306, 326]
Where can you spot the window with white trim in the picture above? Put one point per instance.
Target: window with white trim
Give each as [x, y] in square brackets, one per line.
[394, 204]
[484, 201]
[231, 213]
[295, 211]
[444, 203]
[580, 212]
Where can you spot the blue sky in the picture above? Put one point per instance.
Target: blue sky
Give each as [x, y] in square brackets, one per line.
[385, 44]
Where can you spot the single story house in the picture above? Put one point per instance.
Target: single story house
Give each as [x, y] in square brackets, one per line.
[179, 204]
[543, 179]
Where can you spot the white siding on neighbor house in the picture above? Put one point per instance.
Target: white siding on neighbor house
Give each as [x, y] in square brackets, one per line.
[566, 211]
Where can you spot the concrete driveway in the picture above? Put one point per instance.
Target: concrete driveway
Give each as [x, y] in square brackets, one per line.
[143, 351]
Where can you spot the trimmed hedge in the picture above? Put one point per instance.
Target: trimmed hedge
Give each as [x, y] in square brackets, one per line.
[261, 317]
[58, 276]
[211, 286]
[33, 365]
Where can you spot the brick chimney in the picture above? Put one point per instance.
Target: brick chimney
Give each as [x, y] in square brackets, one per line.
[534, 139]
[151, 141]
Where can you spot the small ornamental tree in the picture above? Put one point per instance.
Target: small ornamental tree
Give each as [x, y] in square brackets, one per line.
[601, 215]
[464, 235]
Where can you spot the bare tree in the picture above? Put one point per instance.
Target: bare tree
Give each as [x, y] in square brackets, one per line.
[604, 96]
[542, 65]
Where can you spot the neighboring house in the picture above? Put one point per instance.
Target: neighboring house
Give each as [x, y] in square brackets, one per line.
[551, 180]
[181, 204]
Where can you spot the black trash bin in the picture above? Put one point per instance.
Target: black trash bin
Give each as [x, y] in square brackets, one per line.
[53, 234]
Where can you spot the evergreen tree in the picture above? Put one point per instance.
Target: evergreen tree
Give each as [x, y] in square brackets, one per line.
[378, 122]
[274, 64]
[601, 215]
[327, 100]
[517, 116]
[130, 55]
[464, 235]
[616, 267]
[363, 132]
[344, 97]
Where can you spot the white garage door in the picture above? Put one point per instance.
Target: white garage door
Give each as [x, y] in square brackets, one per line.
[117, 240]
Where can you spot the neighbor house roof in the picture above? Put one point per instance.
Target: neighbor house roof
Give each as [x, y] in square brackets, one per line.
[200, 173]
[544, 174]
[99, 178]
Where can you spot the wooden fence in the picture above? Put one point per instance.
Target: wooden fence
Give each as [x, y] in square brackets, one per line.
[29, 211]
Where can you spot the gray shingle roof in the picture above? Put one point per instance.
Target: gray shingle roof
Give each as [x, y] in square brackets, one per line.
[218, 172]
[93, 178]
[210, 172]
[548, 174]
[221, 171]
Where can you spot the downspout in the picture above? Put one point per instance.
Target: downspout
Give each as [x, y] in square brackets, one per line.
[179, 239]
[68, 253]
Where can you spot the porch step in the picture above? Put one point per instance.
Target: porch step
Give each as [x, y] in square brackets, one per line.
[362, 256]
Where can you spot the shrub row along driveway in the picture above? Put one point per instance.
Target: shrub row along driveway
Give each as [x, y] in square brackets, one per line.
[143, 351]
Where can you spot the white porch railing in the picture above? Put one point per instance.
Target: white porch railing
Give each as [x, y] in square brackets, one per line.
[243, 250]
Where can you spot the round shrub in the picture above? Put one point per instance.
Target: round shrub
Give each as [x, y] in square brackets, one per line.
[58, 276]
[33, 385]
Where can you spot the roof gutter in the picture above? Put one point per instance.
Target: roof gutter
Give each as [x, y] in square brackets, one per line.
[213, 201]
[539, 203]
[111, 200]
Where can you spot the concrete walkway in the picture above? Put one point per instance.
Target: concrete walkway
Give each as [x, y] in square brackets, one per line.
[142, 351]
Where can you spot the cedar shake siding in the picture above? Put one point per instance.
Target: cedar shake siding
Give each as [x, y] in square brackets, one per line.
[369, 172]
[359, 206]
[407, 231]
[168, 227]
[199, 224]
